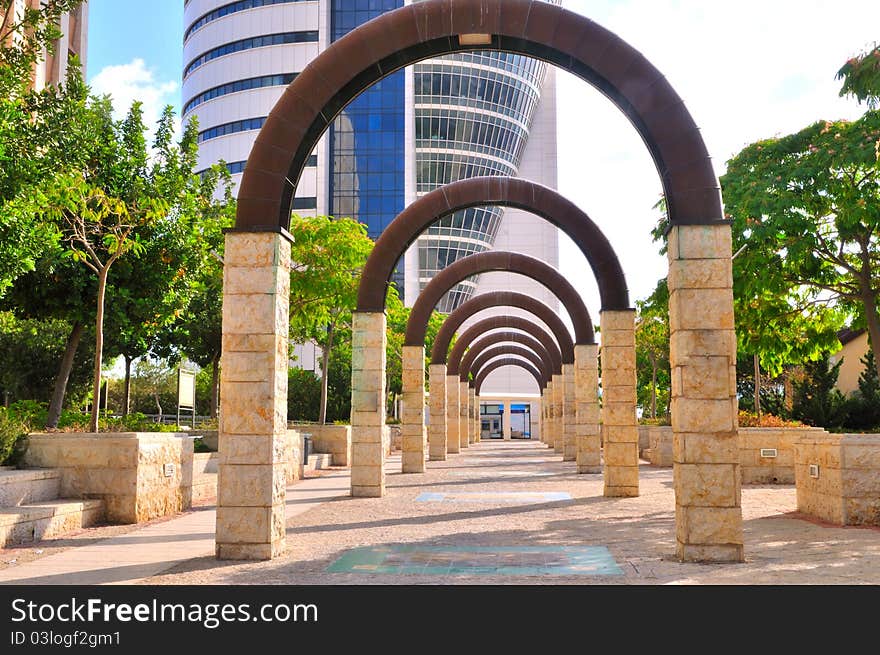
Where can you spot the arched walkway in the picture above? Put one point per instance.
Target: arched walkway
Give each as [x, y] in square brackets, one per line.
[257, 261]
[510, 349]
[507, 361]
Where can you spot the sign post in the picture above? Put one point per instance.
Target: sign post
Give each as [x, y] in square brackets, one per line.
[186, 393]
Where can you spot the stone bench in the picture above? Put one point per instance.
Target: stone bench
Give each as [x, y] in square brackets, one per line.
[45, 519]
[837, 477]
[331, 439]
[20, 487]
[139, 475]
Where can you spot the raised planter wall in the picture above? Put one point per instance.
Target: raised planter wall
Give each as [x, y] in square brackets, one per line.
[332, 439]
[757, 467]
[844, 486]
[126, 469]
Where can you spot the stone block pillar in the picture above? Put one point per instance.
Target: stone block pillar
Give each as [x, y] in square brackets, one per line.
[478, 422]
[558, 413]
[619, 403]
[506, 423]
[368, 404]
[474, 424]
[453, 443]
[437, 412]
[463, 415]
[551, 419]
[586, 382]
[569, 430]
[412, 418]
[708, 510]
[253, 385]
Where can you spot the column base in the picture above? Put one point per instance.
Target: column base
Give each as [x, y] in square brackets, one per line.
[621, 492]
[720, 554]
[413, 463]
[250, 551]
[588, 469]
[437, 458]
[367, 492]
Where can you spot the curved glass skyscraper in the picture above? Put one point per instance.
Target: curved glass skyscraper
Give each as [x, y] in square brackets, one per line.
[473, 113]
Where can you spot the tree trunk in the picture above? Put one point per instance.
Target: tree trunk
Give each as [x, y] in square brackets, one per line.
[158, 406]
[757, 386]
[873, 321]
[60, 389]
[126, 393]
[653, 388]
[99, 347]
[215, 384]
[325, 364]
[789, 391]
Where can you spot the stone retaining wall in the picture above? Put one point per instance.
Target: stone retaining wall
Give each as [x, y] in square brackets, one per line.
[139, 475]
[332, 439]
[756, 467]
[837, 477]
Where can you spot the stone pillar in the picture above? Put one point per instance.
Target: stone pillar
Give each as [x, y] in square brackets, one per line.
[437, 412]
[551, 419]
[474, 429]
[621, 449]
[558, 413]
[253, 385]
[569, 448]
[702, 344]
[412, 416]
[586, 382]
[478, 421]
[367, 404]
[506, 416]
[463, 415]
[453, 444]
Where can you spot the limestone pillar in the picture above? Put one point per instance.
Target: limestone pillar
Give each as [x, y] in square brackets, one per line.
[478, 421]
[708, 511]
[569, 431]
[586, 382]
[437, 412]
[551, 419]
[367, 404]
[558, 413]
[474, 429]
[464, 421]
[453, 444]
[506, 416]
[621, 449]
[253, 385]
[412, 416]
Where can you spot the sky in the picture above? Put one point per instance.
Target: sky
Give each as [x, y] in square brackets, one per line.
[747, 70]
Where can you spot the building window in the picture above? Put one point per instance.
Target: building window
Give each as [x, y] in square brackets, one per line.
[310, 36]
[239, 85]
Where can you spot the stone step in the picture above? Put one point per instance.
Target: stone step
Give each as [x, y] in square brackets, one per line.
[319, 461]
[45, 519]
[24, 486]
[204, 487]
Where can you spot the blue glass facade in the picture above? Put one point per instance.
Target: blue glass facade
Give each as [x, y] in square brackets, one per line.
[367, 141]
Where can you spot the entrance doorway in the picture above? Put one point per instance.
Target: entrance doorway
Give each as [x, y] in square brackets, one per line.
[520, 421]
[491, 421]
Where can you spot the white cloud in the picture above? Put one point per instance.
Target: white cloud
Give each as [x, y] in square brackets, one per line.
[127, 83]
[746, 70]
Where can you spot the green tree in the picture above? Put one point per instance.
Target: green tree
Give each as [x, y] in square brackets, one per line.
[861, 77]
[816, 400]
[327, 258]
[652, 348]
[807, 208]
[303, 395]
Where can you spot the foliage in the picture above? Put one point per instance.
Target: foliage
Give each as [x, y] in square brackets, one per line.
[29, 354]
[303, 395]
[861, 77]
[327, 257]
[13, 432]
[863, 406]
[807, 207]
[339, 381]
[752, 420]
[652, 351]
[816, 400]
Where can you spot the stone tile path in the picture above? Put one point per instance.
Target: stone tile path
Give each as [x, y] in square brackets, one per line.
[326, 528]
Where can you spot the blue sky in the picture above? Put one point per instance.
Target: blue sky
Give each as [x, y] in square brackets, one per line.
[747, 70]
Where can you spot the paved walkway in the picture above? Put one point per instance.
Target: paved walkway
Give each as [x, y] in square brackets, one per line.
[498, 513]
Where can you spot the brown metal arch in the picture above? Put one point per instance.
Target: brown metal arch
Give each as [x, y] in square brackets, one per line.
[495, 299]
[509, 349]
[497, 260]
[496, 191]
[434, 27]
[507, 323]
[511, 361]
[476, 348]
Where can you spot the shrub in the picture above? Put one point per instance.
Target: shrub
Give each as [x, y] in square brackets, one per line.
[751, 420]
[13, 432]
